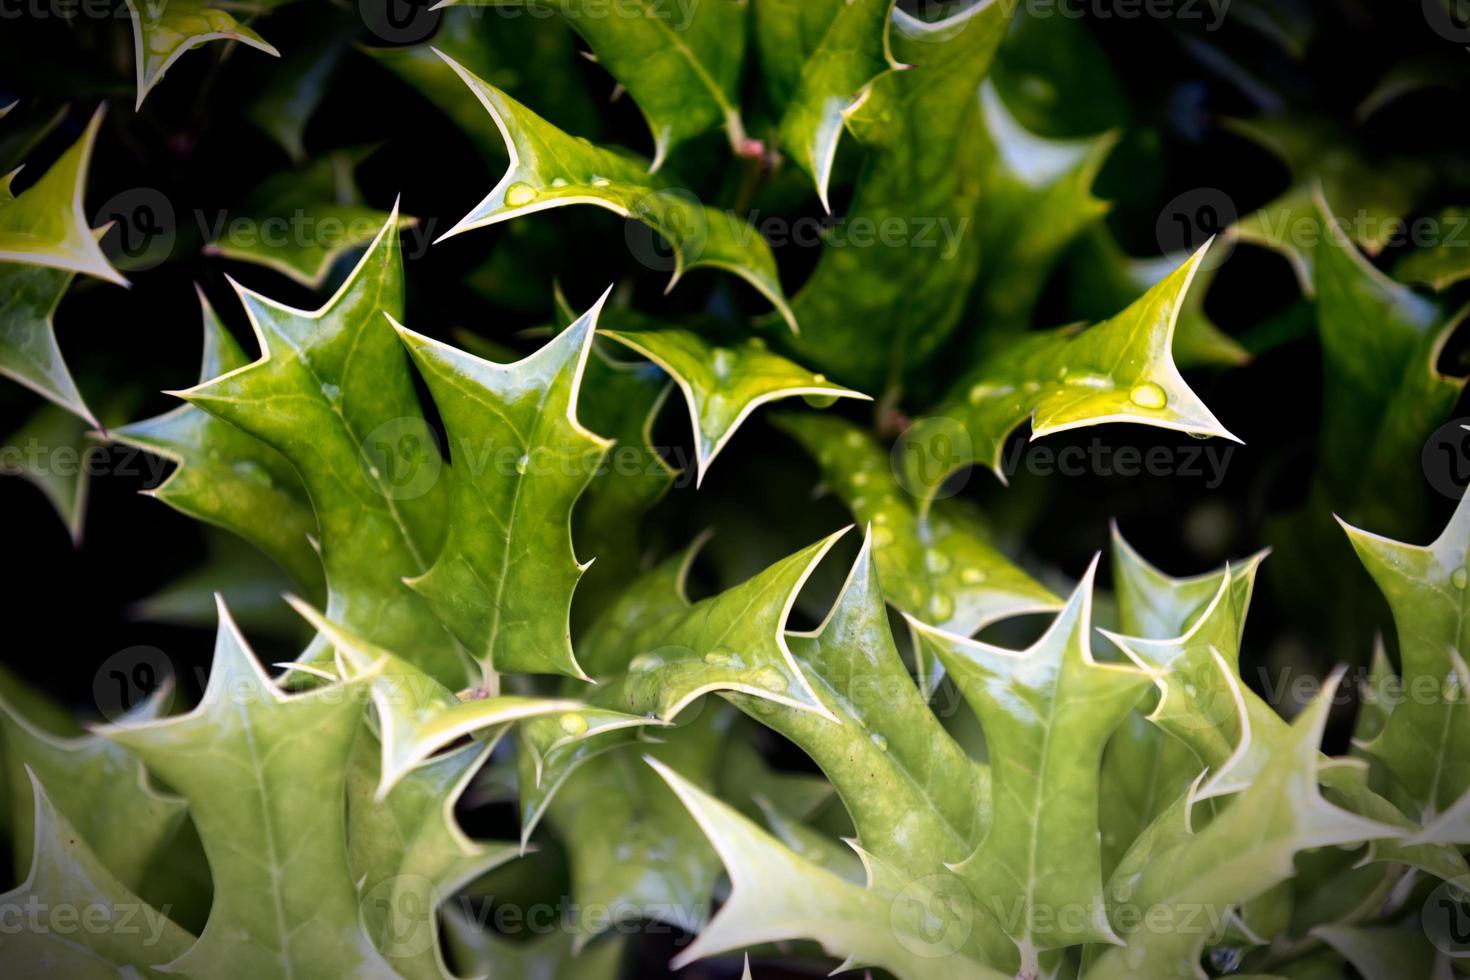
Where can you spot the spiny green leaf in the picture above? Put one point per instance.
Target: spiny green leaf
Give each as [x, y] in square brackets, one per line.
[723, 385]
[1382, 388]
[47, 225]
[1378, 196]
[409, 854]
[1036, 199]
[264, 774]
[28, 349]
[916, 799]
[1192, 881]
[1047, 712]
[299, 223]
[835, 75]
[867, 315]
[504, 580]
[1425, 742]
[1117, 371]
[333, 393]
[133, 938]
[549, 169]
[418, 716]
[227, 477]
[164, 29]
[910, 927]
[939, 567]
[100, 786]
[680, 62]
[53, 431]
[1447, 261]
[1104, 278]
[634, 851]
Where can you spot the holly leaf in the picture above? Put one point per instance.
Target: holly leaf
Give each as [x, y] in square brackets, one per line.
[1047, 712]
[1037, 199]
[300, 222]
[409, 854]
[867, 315]
[1425, 742]
[1104, 278]
[40, 444]
[333, 394]
[910, 927]
[504, 580]
[916, 799]
[834, 79]
[938, 567]
[46, 225]
[418, 716]
[722, 386]
[227, 477]
[681, 64]
[550, 169]
[1120, 370]
[29, 352]
[1244, 852]
[264, 774]
[123, 935]
[1381, 344]
[101, 788]
[1377, 195]
[164, 29]
[1444, 263]
[634, 851]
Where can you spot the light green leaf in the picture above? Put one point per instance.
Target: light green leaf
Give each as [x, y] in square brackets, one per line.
[1047, 712]
[634, 851]
[264, 774]
[418, 716]
[47, 225]
[550, 169]
[409, 854]
[133, 938]
[938, 567]
[868, 314]
[1104, 278]
[835, 76]
[1425, 742]
[916, 799]
[723, 385]
[299, 223]
[333, 393]
[1382, 388]
[1197, 877]
[1120, 370]
[504, 580]
[164, 29]
[101, 787]
[680, 62]
[910, 927]
[227, 477]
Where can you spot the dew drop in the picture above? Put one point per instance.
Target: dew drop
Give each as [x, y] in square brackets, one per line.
[770, 678]
[600, 182]
[1459, 577]
[522, 464]
[722, 361]
[1148, 395]
[519, 194]
[717, 658]
[941, 606]
[331, 392]
[572, 723]
[936, 561]
[972, 576]
[879, 741]
[645, 662]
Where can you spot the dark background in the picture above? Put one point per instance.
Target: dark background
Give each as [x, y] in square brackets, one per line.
[68, 609]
